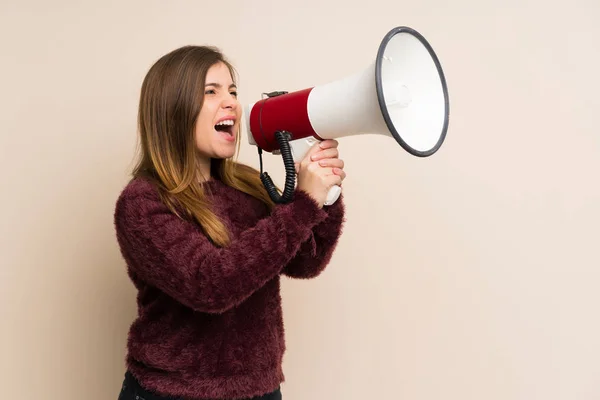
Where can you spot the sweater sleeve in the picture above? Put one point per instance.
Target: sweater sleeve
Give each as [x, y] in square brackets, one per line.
[316, 252]
[176, 257]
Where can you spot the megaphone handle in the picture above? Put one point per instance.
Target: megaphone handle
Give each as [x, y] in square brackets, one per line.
[333, 195]
[299, 149]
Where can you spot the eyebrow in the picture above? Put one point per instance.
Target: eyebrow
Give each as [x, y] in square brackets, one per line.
[218, 85]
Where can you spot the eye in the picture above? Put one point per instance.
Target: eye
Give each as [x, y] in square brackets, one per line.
[209, 91]
[235, 94]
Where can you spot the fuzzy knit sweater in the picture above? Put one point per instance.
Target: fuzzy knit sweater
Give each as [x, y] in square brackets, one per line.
[209, 322]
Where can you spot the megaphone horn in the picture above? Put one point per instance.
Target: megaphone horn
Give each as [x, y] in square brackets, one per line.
[401, 94]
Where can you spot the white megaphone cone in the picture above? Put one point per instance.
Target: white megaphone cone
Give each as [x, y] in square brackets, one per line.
[402, 95]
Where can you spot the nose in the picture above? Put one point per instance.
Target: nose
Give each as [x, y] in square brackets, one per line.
[229, 102]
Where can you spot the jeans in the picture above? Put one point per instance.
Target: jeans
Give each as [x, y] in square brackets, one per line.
[132, 390]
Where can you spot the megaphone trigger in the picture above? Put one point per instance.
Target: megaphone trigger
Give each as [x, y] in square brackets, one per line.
[300, 147]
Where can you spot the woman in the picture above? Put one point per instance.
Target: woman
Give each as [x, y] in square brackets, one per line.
[204, 244]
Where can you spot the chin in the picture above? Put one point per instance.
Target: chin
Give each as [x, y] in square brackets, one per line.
[225, 153]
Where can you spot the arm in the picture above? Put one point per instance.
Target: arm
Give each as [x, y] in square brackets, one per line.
[314, 254]
[174, 256]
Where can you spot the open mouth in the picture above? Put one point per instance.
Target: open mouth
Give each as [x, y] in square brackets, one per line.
[225, 126]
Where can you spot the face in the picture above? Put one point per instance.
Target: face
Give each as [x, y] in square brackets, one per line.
[219, 120]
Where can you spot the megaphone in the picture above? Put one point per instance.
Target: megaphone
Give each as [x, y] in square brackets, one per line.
[402, 94]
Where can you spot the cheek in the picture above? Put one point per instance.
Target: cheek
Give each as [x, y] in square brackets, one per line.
[204, 124]
[201, 134]
[204, 119]
[208, 110]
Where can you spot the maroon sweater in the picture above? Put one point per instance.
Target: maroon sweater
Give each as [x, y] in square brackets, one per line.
[210, 320]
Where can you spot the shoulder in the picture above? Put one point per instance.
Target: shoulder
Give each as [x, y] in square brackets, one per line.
[139, 187]
[138, 195]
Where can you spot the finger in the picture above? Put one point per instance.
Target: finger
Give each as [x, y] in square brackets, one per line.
[340, 172]
[334, 180]
[328, 143]
[332, 162]
[313, 150]
[315, 167]
[327, 153]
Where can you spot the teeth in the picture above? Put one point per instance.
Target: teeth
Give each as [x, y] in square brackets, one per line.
[226, 122]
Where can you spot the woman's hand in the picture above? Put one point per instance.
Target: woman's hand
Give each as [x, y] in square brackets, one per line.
[321, 169]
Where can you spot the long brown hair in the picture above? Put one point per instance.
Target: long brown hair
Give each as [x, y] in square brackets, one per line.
[171, 97]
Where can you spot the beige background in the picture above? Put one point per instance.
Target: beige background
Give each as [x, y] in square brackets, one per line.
[472, 274]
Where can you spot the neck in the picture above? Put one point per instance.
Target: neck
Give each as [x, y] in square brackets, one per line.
[204, 169]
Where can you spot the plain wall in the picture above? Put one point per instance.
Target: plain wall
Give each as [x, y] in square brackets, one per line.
[471, 274]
